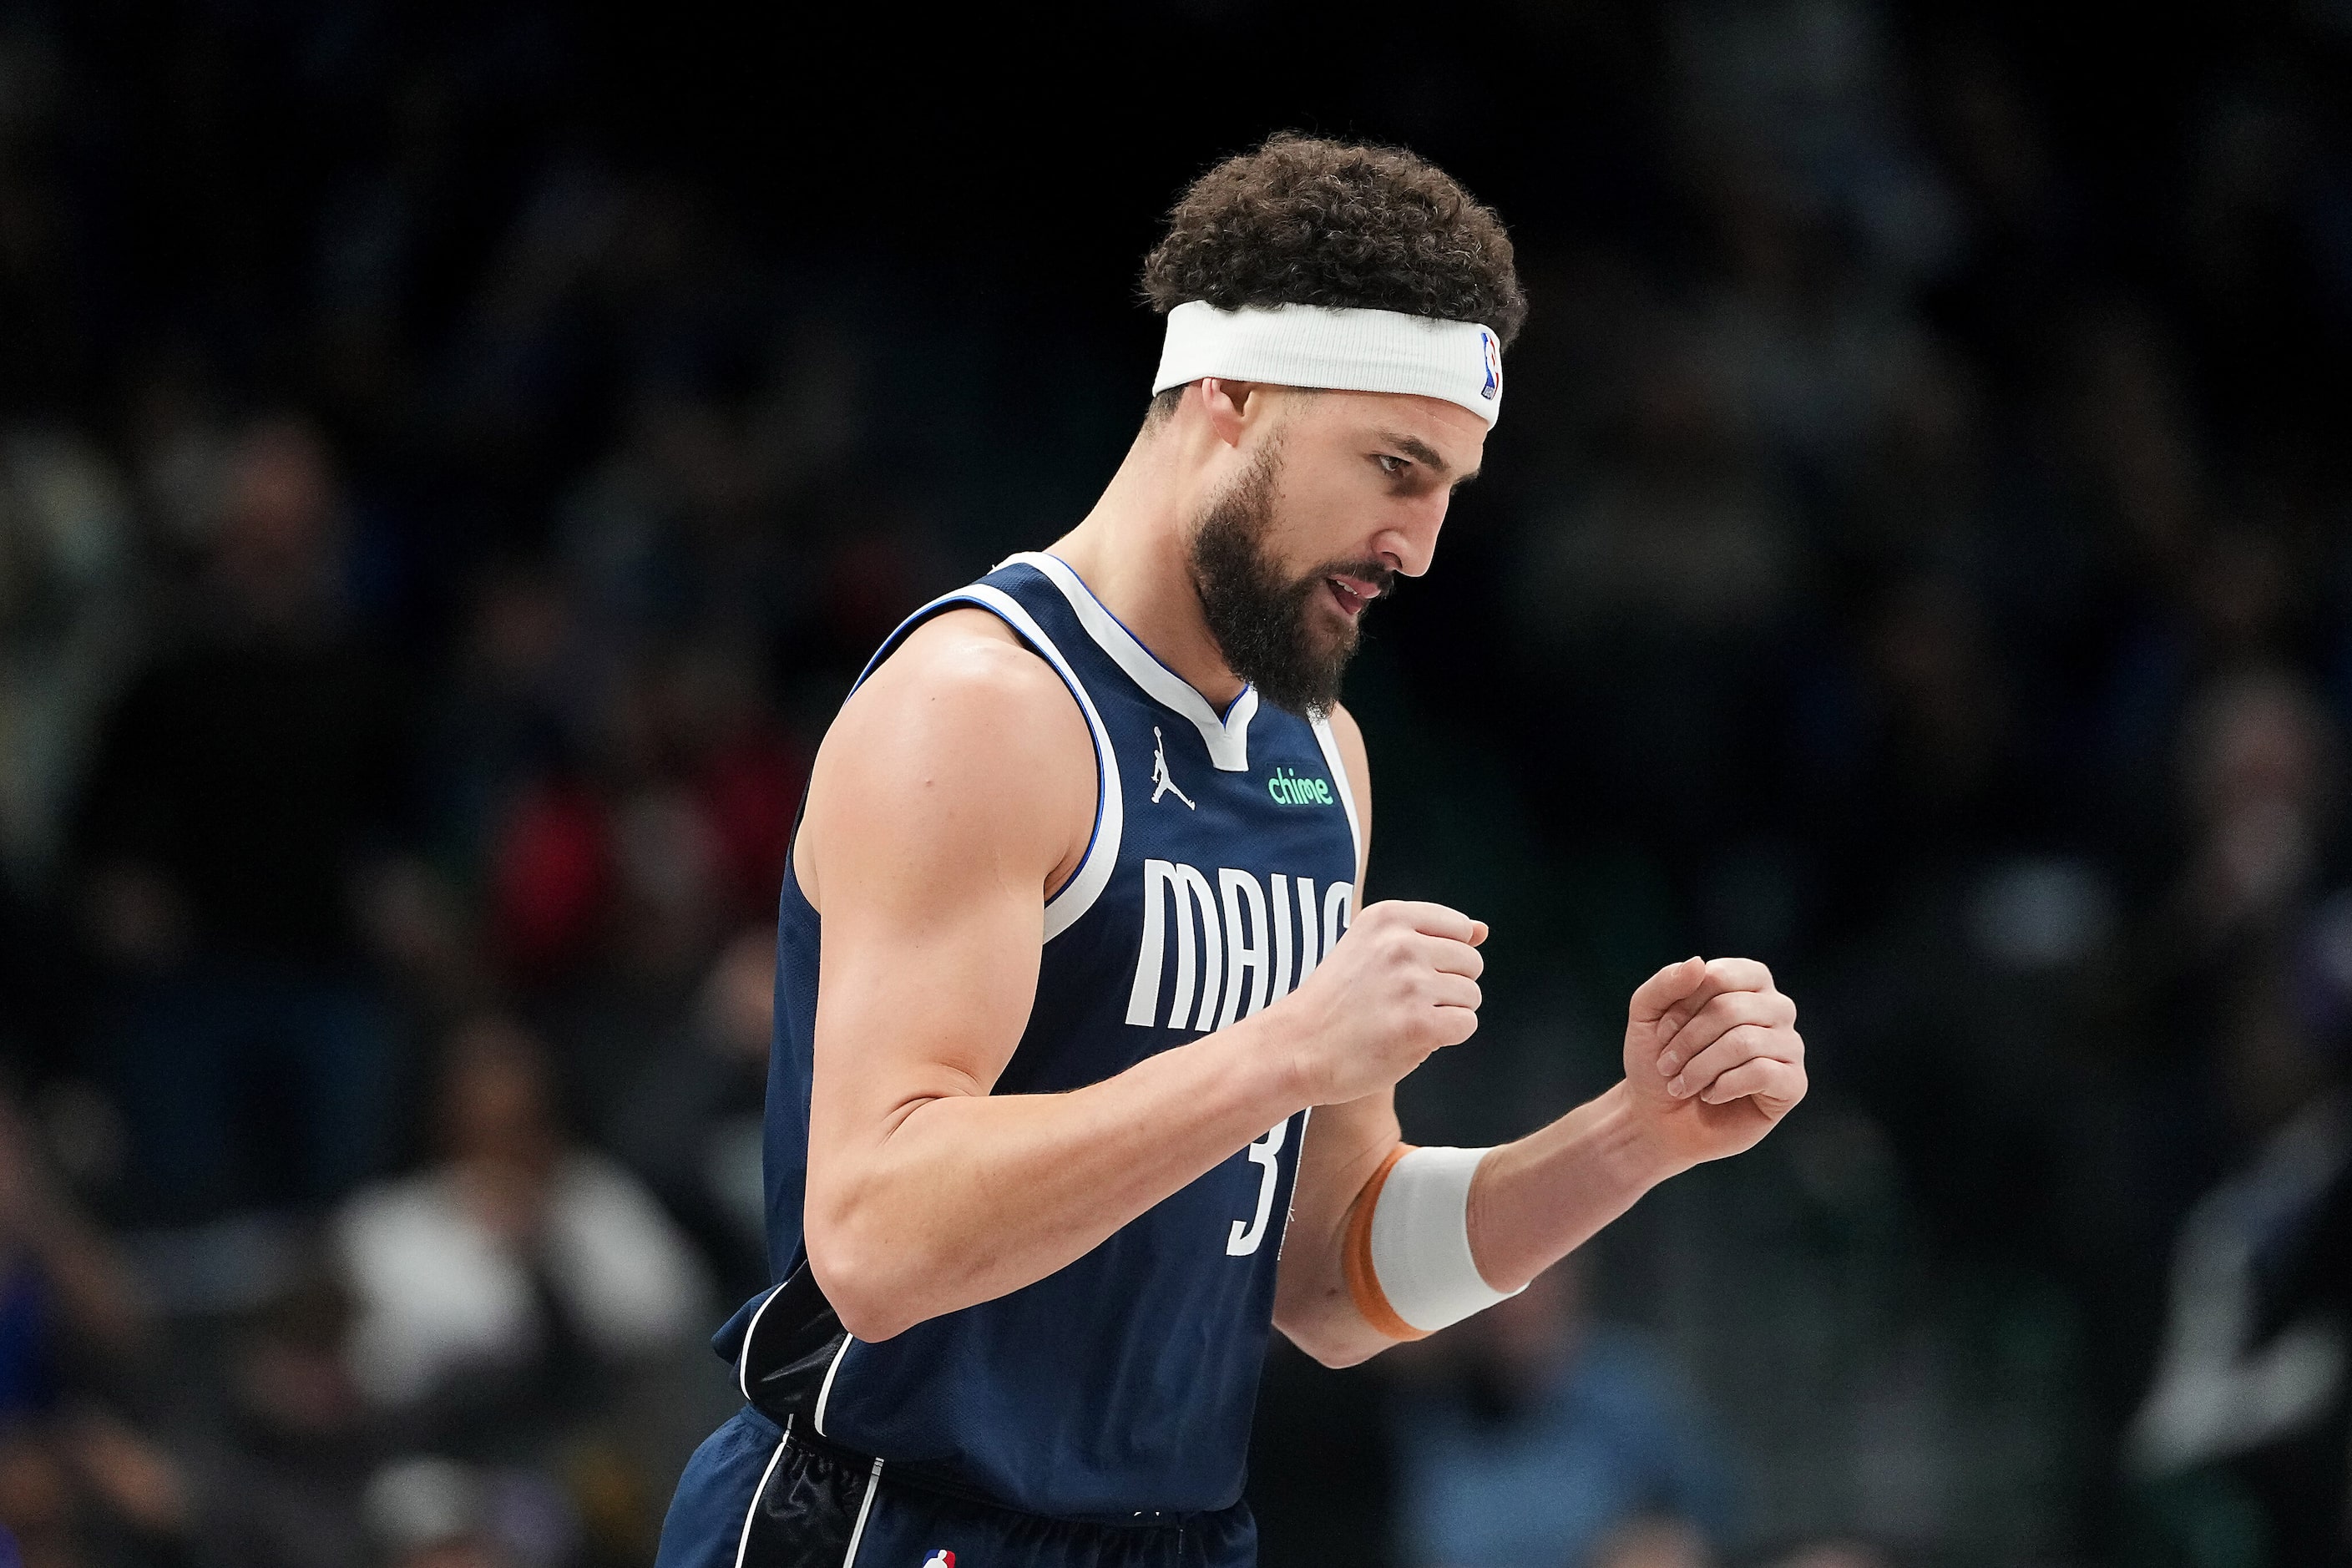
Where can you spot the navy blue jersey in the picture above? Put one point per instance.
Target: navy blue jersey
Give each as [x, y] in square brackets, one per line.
[1221, 870]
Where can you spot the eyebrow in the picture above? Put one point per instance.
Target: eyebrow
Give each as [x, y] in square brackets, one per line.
[1421, 452]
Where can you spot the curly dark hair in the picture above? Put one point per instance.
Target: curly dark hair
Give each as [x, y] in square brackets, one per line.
[1304, 220]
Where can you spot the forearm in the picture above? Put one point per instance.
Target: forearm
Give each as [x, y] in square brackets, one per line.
[1346, 1147]
[965, 1197]
[1535, 1201]
[1531, 1203]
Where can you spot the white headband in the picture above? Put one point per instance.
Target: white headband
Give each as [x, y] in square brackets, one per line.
[1342, 351]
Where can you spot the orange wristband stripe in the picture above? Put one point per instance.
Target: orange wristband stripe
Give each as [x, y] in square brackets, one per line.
[1356, 1257]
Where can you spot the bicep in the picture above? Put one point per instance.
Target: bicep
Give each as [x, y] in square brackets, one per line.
[921, 996]
[941, 810]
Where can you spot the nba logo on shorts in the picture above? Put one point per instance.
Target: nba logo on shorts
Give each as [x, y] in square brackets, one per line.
[940, 1560]
[1494, 351]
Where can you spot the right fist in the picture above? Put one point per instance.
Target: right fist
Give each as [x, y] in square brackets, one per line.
[1403, 983]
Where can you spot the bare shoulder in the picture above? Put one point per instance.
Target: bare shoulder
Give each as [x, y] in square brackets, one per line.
[965, 659]
[964, 746]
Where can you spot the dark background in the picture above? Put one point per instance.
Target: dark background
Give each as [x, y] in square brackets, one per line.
[456, 457]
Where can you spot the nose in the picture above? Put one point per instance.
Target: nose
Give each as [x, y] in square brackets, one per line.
[1408, 541]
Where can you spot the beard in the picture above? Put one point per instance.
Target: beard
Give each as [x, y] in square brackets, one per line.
[1263, 618]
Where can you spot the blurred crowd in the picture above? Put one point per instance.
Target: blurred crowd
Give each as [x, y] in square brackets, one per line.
[431, 545]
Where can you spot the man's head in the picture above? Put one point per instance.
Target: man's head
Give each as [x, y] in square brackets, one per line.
[1310, 502]
[275, 549]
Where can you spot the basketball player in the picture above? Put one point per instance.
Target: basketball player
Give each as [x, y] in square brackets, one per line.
[1085, 849]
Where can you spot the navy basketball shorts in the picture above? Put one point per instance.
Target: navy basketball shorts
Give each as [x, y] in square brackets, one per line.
[753, 1498]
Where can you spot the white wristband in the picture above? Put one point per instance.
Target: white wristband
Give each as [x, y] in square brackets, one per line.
[1419, 1240]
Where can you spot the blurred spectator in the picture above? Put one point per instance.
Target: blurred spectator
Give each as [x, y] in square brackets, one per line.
[1652, 1543]
[66, 1298]
[78, 1482]
[255, 774]
[436, 1513]
[2248, 1421]
[282, 1487]
[2208, 1050]
[68, 628]
[1835, 1553]
[505, 1290]
[511, 719]
[1550, 1438]
[694, 1124]
[2262, 769]
[676, 534]
[615, 891]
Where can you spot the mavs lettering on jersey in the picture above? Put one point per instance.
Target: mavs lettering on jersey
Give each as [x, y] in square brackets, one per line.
[1250, 957]
[1217, 878]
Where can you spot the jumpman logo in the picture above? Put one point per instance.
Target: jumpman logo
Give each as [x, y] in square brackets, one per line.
[1162, 781]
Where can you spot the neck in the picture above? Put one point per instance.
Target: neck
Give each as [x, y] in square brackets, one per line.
[1133, 552]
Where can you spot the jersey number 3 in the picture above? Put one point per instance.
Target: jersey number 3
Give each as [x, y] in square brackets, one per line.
[1265, 1154]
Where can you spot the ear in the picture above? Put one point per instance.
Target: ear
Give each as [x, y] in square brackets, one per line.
[1229, 405]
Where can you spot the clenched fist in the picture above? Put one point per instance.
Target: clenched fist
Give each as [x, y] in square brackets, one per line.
[1403, 983]
[1713, 1055]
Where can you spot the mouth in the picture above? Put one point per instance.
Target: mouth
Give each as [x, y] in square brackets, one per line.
[1351, 593]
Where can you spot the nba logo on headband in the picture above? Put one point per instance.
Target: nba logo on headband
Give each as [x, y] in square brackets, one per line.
[1494, 351]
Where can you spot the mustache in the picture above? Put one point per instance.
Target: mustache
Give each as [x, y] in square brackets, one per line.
[1381, 576]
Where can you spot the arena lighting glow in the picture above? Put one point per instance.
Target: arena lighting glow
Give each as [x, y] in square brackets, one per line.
[1337, 350]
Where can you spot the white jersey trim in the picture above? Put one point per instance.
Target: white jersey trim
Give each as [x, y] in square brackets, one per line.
[1227, 738]
[743, 1357]
[825, 1389]
[872, 1480]
[1087, 883]
[744, 1540]
[1331, 744]
[1078, 895]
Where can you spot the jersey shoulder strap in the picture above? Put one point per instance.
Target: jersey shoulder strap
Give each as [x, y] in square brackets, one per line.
[1001, 594]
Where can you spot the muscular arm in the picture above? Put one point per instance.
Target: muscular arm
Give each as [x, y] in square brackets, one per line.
[954, 794]
[1712, 1062]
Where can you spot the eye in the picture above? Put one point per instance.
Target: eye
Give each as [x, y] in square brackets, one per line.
[1392, 465]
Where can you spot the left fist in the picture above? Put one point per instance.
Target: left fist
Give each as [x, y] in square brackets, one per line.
[1713, 1055]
